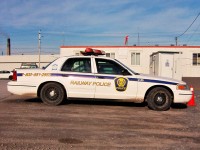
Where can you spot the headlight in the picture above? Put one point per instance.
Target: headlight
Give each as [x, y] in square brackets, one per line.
[182, 87]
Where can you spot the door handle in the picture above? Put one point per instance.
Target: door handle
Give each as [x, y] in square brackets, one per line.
[99, 77]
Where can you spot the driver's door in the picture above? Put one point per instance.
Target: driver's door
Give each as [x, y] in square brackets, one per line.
[113, 81]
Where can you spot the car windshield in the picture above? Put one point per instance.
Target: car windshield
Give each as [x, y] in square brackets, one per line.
[127, 67]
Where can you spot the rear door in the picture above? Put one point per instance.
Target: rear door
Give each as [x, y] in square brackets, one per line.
[79, 81]
[113, 81]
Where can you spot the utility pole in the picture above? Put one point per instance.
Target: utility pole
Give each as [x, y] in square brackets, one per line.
[39, 45]
[63, 34]
[138, 39]
[8, 46]
[176, 40]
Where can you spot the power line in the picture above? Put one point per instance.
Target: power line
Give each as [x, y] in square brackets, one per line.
[176, 38]
[195, 31]
[190, 25]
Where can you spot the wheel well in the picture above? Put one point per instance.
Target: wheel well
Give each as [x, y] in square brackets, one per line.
[41, 85]
[167, 88]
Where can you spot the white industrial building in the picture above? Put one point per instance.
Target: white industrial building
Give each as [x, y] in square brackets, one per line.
[169, 61]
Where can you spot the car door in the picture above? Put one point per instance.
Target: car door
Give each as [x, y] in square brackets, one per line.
[79, 82]
[113, 81]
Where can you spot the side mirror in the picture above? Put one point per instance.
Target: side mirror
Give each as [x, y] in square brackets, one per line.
[125, 72]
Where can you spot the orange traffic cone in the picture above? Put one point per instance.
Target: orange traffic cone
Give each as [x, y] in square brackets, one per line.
[192, 101]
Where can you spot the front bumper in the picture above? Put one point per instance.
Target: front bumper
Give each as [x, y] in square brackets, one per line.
[182, 96]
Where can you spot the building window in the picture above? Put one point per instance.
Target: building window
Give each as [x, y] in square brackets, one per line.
[111, 55]
[135, 58]
[196, 59]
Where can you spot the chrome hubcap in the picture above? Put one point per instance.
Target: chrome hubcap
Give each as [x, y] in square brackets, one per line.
[52, 93]
[159, 99]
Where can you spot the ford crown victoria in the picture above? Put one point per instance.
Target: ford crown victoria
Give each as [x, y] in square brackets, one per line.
[97, 77]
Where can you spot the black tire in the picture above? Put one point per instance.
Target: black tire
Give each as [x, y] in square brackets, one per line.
[52, 94]
[159, 99]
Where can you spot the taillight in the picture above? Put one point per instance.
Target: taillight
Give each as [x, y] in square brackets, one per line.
[14, 78]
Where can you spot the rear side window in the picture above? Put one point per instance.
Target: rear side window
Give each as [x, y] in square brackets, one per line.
[77, 65]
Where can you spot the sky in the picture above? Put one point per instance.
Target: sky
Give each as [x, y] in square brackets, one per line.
[96, 22]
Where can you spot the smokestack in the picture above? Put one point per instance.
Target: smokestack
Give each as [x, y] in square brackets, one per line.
[8, 46]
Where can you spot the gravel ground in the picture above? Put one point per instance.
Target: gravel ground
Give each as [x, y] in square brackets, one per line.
[29, 124]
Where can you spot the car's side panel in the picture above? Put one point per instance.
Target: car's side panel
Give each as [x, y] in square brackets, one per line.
[179, 96]
[22, 89]
[78, 85]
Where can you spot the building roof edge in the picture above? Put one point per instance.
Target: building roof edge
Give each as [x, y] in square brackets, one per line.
[129, 46]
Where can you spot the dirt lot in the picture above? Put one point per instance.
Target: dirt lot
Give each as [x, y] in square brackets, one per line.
[30, 124]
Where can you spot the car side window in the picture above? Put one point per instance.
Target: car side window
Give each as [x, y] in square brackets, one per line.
[105, 66]
[77, 65]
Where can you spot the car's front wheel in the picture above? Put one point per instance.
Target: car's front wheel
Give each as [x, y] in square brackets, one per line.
[159, 99]
[52, 93]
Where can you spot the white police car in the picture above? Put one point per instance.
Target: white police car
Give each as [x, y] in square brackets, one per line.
[94, 77]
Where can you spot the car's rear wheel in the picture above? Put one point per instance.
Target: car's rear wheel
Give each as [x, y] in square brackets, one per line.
[159, 99]
[52, 93]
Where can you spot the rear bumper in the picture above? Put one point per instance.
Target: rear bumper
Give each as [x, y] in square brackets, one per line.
[26, 90]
